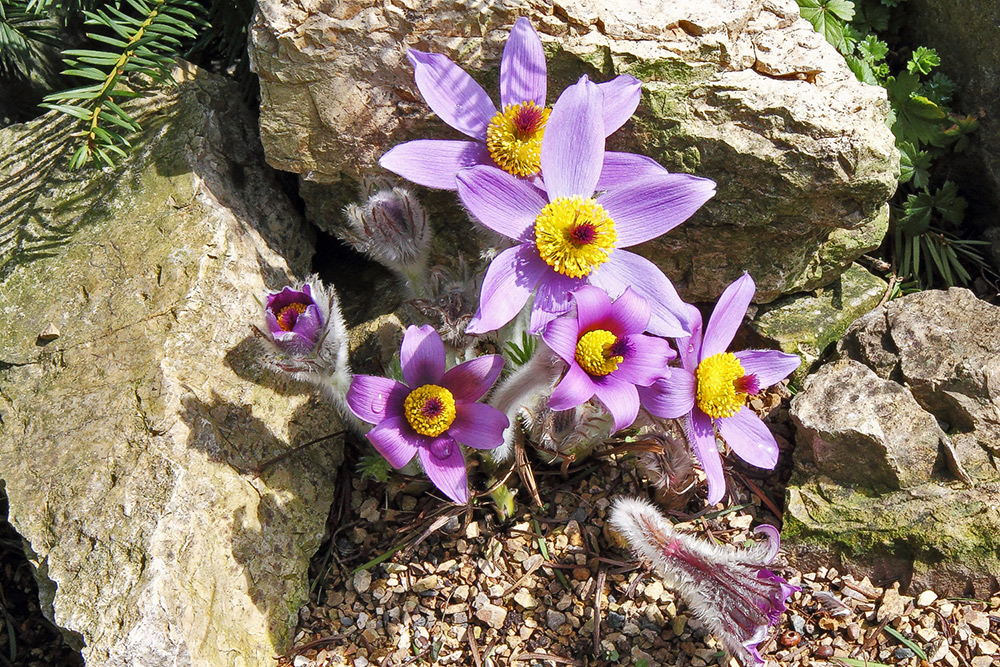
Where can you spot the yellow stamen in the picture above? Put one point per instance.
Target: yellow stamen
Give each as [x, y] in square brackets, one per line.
[594, 352]
[514, 138]
[430, 409]
[297, 307]
[574, 235]
[717, 376]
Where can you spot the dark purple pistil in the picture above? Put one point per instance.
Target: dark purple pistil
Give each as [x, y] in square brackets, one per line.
[748, 384]
[432, 408]
[527, 120]
[619, 348]
[582, 234]
[289, 315]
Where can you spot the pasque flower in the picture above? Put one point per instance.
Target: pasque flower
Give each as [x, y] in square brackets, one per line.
[566, 234]
[712, 385]
[607, 351]
[728, 589]
[295, 319]
[432, 411]
[510, 138]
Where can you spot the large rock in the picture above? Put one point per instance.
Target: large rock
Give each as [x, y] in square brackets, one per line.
[895, 461]
[132, 406]
[742, 92]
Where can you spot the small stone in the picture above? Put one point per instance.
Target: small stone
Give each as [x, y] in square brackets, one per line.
[680, 622]
[631, 629]
[939, 648]
[581, 574]
[978, 621]
[362, 581]
[983, 661]
[615, 620]
[361, 661]
[903, 653]
[946, 609]
[554, 619]
[472, 530]
[823, 652]
[798, 623]
[49, 333]
[653, 591]
[926, 598]
[828, 623]
[565, 602]
[926, 635]
[301, 661]
[790, 638]
[492, 615]
[525, 599]
[893, 604]
[424, 584]
[854, 632]
[369, 510]
[986, 647]
[951, 659]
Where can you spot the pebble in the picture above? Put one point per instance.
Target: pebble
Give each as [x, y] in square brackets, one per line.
[301, 661]
[798, 623]
[983, 661]
[823, 652]
[424, 584]
[369, 511]
[525, 599]
[653, 591]
[926, 598]
[854, 632]
[926, 634]
[939, 648]
[615, 620]
[903, 653]
[361, 661]
[893, 604]
[978, 621]
[362, 581]
[986, 647]
[492, 615]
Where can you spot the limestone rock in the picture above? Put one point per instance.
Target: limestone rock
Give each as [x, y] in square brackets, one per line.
[806, 324]
[919, 371]
[861, 430]
[127, 442]
[742, 92]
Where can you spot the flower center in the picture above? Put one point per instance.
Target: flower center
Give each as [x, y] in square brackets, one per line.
[599, 352]
[574, 235]
[514, 138]
[430, 409]
[289, 315]
[723, 385]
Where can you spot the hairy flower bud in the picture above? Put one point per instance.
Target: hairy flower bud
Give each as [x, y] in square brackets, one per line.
[728, 589]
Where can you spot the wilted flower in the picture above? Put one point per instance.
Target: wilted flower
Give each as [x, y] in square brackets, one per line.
[712, 387]
[511, 138]
[728, 589]
[432, 412]
[566, 237]
[391, 228]
[607, 352]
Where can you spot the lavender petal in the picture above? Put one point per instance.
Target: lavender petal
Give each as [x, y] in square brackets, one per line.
[434, 163]
[452, 94]
[573, 144]
[749, 438]
[651, 207]
[562, 335]
[727, 316]
[478, 425]
[509, 281]
[647, 360]
[422, 356]
[575, 388]
[621, 97]
[672, 397]
[668, 314]
[593, 309]
[552, 298]
[502, 202]
[522, 67]
[372, 398]
[446, 468]
[770, 366]
[471, 379]
[620, 398]
[701, 435]
[395, 440]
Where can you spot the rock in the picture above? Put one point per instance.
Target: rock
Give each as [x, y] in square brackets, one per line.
[746, 93]
[524, 598]
[945, 346]
[653, 591]
[983, 661]
[492, 615]
[806, 324]
[978, 621]
[128, 442]
[892, 604]
[554, 619]
[926, 598]
[859, 429]
[425, 584]
[362, 581]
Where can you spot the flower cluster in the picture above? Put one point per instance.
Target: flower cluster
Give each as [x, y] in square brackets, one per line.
[616, 345]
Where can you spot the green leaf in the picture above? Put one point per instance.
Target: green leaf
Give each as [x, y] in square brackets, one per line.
[827, 17]
[923, 60]
[917, 119]
[854, 662]
[913, 165]
[917, 214]
[939, 89]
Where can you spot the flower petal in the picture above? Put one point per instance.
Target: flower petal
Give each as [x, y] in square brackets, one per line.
[727, 316]
[478, 425]
[395, 440]
[509, 281]
[502, 202]
[575, 388]
[620, 398]
[647, 360]
[552, 298]
[689, 347]
[593, 307]
[672, 397]
[446, 472]
[621, 98]
[749, 438]
[668, 314]
[573, 144]
[631, 311]
[701, 435]
[372, 398]
[653, 206]
[621, 169]
[770, 366]
[434, 163]
[452, 94]
[471, 379]
[421, 356]
[562, 335]
[522, 67]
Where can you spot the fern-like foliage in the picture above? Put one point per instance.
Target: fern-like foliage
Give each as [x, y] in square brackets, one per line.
[142, 42]
[24, 34]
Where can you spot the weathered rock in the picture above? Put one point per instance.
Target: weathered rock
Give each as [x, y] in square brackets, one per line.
[861, 430]
[127, 441]
[742, 92]
[921, 361]
[945, 347]
[806, 324]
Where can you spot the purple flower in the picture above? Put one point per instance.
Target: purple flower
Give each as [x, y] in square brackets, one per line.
[294, 319]
[729, 590]
[712, 386]
[511, 138]
[565, 236]
[607, 352]
[432, 411]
